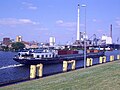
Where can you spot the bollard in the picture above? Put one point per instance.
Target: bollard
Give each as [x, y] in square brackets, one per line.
[73, 64]
[32, 71]
[39, 70]
[89, 62]
[100, 59]
[118, 57]
[64, 66]
[104, 59]
[111, 58]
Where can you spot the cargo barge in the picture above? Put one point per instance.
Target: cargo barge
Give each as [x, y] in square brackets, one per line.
[52, 56]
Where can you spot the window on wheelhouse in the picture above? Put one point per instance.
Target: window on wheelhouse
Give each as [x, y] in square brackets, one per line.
[38, 56]
[50, 55]
[53, 55]
[42, 56]
[46, 56]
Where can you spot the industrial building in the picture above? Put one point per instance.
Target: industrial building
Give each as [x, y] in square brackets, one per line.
[52, 41]
[106, 40]
[18, 38]
[6, 41]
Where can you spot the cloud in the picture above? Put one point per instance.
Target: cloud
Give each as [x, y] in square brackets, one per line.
[42, 29]
[32, 7]
[59, 22]
[1, 34]
[117, 23]
[67, 25]
[100, 31]
[82, 25]
[14, 22]
[96, 20]
[29, 6]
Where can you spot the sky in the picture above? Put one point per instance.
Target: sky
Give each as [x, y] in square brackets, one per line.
[40, 19]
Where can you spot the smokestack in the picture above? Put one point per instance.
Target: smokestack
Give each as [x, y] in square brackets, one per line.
[111, 31]
[78, 24]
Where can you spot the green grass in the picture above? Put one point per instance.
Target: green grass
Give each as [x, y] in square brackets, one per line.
[99, 77]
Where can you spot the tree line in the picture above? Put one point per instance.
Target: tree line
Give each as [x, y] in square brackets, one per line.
[16, 46]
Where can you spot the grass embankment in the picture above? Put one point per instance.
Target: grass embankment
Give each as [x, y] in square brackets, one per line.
[100, 77]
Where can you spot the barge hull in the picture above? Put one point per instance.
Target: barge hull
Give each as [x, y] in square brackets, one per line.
[60, 59]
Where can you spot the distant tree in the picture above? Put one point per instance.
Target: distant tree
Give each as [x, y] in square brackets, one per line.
[18, 45]
[4, 48]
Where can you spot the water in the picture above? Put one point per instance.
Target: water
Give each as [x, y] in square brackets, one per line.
[11, 66]
[11, 70]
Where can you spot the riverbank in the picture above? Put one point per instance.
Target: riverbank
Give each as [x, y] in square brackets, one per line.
[99, 77]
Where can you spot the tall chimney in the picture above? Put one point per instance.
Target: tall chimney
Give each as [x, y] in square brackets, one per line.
[111, 31]
[78, 24]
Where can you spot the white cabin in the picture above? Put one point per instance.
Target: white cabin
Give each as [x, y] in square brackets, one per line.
[38, 54]
[43, 55]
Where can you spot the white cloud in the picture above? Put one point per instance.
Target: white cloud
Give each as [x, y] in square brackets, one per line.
[42, 29]
[61, 23]
[100, 31]
[32, 7]
[26, 21]
[14, 21]
[96, 20]
[117, 22]
[1, 34]
[82, 25]
[29, 6]
[68, 25]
